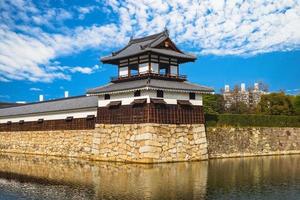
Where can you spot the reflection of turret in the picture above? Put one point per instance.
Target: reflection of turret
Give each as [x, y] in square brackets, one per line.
[67, 178]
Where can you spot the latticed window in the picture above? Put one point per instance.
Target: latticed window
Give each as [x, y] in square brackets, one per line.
[160, 93]
[192, 96]
[137, 93]
[106, 96]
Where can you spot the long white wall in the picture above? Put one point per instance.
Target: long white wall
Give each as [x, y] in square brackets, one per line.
[51, 116]
[126, 99]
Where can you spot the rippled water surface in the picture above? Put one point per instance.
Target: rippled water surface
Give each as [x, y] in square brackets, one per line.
[31, 177]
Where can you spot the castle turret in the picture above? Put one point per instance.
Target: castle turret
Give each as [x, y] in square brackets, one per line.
[149, 75]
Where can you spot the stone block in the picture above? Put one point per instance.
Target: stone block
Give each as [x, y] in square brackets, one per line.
[150, 155]
[152, 143]
[143, 136]
[198, 129]
[200, 141]
[173, 151]
[95, 151]
[132, 138]
[96, 140]
[149, 149]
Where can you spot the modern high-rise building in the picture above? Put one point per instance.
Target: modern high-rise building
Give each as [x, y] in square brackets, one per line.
[251, 97]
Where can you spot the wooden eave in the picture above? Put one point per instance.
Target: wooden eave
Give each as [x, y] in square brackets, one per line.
[149, 52]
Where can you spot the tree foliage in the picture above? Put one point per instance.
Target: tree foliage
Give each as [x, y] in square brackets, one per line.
[238, 107]
[296, 104]
[270, 104]
[275, 104]
[213, 103]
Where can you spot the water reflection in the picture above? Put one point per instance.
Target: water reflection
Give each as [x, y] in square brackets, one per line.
[34, 177]
[53, 178]
[272, 177]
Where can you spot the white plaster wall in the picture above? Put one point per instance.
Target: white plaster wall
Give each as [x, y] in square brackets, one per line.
[154, 67]
[118, 96]
[52, 116]
[169, 97]
[123, 71]
[143, 68]
[125, 100]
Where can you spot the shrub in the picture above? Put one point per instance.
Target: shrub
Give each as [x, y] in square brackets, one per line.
[242, 120]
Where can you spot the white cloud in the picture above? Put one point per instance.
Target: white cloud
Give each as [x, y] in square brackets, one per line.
[83, 11]
[2, 79]
[21, 57]
[218, 27]
[294, 91]
[31, 57]
[236, 27]
[35, 89]
[25, 11]
[85, 70]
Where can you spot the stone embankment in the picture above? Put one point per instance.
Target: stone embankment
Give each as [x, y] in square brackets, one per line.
[145, 143]
[153, 143]
[150, 142]
[253, 141]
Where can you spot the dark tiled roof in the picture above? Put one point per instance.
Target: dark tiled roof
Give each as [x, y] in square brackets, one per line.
[6, 104]
[146, 44]
[152, 84]
[52, 105]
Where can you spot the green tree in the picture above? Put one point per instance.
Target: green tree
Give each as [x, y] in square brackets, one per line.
[213, 103]
[296, 104]
[239, 107]
[275, 104]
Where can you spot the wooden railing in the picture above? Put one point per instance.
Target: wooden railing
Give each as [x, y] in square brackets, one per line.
[149, 74]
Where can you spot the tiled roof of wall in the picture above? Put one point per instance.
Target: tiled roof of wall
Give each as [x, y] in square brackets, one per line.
[70, 103]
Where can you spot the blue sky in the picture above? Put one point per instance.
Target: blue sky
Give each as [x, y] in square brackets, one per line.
[47, 47]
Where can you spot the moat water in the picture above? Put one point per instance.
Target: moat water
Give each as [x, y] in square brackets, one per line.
[32, 177]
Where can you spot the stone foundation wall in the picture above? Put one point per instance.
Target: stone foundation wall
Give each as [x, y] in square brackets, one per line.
[146, 143]
[149, 143]
[240, 142]
[71, 143]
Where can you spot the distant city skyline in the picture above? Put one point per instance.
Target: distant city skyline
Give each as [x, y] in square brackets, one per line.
[47, 48]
